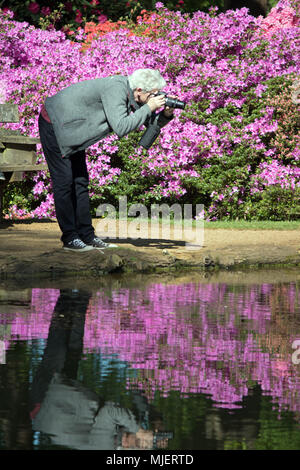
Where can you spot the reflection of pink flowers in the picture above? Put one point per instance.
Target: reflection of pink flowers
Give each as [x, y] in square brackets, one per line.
[173, 350]
[176, 335]
[281, 368]
[34, 8]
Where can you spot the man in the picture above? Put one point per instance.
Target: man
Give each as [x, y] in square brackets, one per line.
[63, 408]
[79, 116]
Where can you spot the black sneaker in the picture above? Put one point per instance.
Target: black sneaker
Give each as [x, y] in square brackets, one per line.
[77, 245]
[100, 244]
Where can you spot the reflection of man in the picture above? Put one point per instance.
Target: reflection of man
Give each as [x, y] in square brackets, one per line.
[71, 416]
[61, 407]
[64, 344]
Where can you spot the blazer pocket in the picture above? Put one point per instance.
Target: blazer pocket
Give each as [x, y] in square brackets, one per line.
[74, 123]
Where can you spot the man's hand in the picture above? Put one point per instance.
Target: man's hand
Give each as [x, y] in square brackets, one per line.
[144, 439]
[168, 112]
[156, 102]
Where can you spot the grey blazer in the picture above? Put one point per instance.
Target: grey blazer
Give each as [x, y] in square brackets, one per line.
[87, 111]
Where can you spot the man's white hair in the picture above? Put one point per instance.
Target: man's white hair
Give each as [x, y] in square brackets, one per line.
[146, 79]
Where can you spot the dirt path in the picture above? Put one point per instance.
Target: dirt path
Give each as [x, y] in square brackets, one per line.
[34, 250]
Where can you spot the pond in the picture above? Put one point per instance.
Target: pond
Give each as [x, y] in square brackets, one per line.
[182, 362]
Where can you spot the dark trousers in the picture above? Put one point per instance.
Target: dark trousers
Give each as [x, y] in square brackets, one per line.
[70, 187]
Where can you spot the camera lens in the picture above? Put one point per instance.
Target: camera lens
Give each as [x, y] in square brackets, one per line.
[173, 103]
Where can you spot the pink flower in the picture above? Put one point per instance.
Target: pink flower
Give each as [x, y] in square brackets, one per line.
[102, 19]
[45, 11]
[7, 10]
[279, 18]
[78, 17]
[34, 8]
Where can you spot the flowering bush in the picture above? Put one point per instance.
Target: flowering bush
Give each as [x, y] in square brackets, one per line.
[281, 16]
[235, 148]
[94, 31]
[147, 24]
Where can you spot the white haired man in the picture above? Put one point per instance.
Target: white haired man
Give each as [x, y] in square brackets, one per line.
[79, 116]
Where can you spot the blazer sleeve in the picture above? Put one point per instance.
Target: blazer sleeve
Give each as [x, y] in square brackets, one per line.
[114, 100]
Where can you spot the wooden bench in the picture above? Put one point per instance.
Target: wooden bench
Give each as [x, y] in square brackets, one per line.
[17, 152]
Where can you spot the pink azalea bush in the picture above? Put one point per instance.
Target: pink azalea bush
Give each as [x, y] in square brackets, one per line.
[220, 151]
[280, 17]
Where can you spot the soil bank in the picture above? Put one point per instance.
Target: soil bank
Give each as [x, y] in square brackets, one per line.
[34, 250]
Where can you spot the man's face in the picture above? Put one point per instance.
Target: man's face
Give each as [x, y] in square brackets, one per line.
[144, 441]
[142, 97]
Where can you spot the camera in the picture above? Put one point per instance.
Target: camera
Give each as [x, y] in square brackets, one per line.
[153, 131]
[149, 136]
[172, 102]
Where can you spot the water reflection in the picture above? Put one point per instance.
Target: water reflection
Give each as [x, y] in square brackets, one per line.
[60, 406]
[63, 408]
[207, 365]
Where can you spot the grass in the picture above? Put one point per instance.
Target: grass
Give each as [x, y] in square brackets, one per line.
[232, 224]
[254, 225]
[219, 224]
